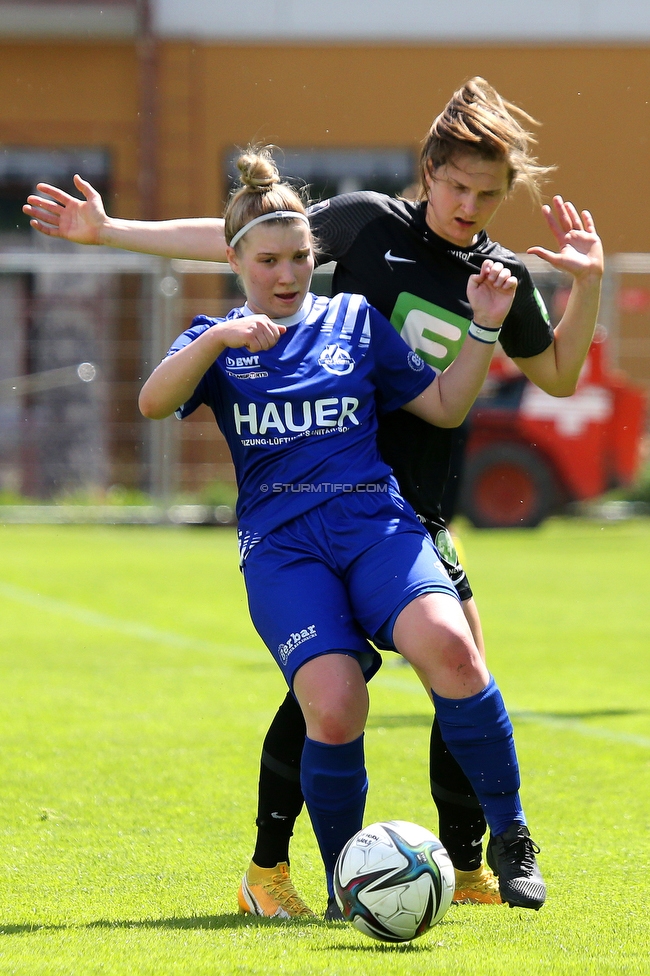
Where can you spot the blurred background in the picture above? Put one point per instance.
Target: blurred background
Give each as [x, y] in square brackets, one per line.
[149, 100]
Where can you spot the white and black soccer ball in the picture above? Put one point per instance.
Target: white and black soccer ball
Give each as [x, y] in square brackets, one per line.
[394, 880]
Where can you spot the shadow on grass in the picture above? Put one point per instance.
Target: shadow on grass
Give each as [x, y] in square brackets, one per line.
[230, 921]
[266, 664]
[577, 716]
[425, 719]
[400, 721]
[379, 947]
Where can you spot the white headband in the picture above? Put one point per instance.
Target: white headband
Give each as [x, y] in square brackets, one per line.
[273, 215]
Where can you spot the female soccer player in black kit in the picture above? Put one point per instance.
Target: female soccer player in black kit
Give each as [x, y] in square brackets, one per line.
[412, 262]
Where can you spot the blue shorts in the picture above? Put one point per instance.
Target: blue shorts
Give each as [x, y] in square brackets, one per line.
[338, 575]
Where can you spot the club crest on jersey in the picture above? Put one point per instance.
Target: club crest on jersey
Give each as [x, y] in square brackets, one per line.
[415, 362]
[336, 360]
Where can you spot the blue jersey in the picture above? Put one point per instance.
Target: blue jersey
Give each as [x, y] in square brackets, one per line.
[300, 419]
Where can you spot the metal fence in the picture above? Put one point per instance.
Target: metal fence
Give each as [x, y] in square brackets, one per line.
[80, 330]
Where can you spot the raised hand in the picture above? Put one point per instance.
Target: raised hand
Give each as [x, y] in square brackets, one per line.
[580, 248]
[66, 216]
[490, 293]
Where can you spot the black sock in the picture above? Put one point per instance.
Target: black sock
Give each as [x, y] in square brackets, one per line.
[461, 823]
[280, 798]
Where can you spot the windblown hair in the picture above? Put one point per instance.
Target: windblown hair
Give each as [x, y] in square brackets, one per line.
[478, 120]
[262, 191]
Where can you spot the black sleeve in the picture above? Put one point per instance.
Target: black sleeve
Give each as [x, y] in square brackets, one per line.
[337, 222]
[527, 329]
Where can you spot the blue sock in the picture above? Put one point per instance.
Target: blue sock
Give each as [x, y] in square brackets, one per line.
[334, 784]
[478, 733]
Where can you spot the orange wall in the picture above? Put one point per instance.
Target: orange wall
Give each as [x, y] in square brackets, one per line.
[74, 95]
[593, 102]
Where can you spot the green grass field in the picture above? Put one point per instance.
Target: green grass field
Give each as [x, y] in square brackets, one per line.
[135, 695]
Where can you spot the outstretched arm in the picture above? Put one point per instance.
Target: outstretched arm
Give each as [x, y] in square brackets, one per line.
[86, 222]
[557, 369]
[174, 381]
[447, 400]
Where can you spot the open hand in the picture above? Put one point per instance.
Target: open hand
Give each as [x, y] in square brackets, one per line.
[66, 216]
[490, 293]
[580, 248]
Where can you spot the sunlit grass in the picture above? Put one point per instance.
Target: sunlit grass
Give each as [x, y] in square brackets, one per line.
[135, 695]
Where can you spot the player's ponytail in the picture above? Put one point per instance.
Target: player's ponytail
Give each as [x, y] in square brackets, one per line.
[262, 191]
[478, 120]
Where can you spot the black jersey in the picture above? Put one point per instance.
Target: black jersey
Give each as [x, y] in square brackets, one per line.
[385, 250]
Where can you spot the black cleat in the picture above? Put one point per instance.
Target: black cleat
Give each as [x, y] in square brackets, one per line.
[333, 913]
[511, 856]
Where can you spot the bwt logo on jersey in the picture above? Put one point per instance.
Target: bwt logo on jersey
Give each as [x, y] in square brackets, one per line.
[242, 361]
[245, 367]
[281, 417]
[336, 360]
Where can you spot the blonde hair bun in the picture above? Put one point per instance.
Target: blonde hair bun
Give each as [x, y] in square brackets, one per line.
[257, 169]
[261, 191]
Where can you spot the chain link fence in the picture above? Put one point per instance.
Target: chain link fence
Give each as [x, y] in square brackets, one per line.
[80, 330]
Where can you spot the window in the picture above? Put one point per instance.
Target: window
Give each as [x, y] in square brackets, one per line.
[22, 168]
[327, 172]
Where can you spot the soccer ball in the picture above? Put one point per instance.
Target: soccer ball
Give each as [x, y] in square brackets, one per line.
[394, 880]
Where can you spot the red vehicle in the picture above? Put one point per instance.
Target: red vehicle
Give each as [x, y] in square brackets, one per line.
[529, 453]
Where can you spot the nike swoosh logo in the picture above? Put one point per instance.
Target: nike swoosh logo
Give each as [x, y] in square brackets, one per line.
[393, 257]
[474, 843]
[278, 816]
[317, 207]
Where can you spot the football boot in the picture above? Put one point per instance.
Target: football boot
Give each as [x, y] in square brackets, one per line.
[511, 855]
[270, 892]
[479, 887]
[333, 913]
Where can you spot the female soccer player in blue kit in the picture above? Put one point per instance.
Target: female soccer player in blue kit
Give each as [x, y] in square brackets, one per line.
[412, 261]
[332, 555]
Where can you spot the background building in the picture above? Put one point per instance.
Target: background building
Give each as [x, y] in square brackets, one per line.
[150, 100]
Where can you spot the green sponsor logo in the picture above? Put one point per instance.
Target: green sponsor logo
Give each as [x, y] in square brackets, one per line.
[446, 548]
[435, 333]
[542, 306]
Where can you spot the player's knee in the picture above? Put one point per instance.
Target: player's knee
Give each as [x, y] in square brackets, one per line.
[335, 731]
[335, 721]
[459, 654]
[333, 697]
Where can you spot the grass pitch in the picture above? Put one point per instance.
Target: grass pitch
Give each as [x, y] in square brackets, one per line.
[135, 695]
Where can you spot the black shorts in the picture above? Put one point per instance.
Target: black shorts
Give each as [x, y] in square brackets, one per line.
[445, 545]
